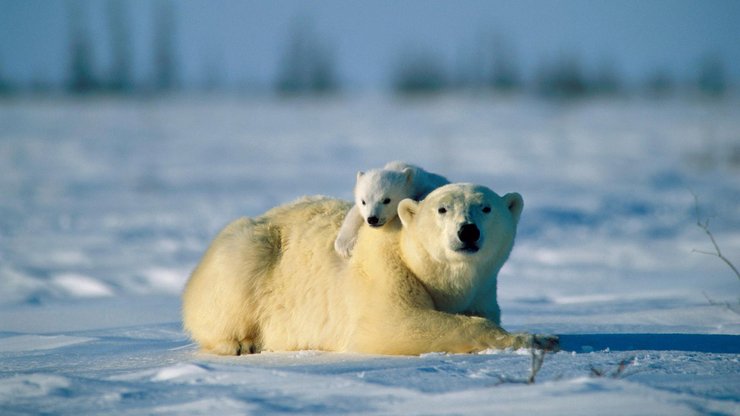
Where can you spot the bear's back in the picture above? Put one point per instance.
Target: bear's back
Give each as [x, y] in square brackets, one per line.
[303, 305]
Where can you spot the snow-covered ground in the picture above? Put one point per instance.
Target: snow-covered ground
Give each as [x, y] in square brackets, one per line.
[106, 206]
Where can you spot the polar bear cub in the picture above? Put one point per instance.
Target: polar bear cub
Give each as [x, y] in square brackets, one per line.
[377, 194]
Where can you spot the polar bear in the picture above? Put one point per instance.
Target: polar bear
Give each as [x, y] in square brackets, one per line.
[425, 282]
[377, 193]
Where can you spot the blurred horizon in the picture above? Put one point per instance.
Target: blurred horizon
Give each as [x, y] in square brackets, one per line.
[568, 48]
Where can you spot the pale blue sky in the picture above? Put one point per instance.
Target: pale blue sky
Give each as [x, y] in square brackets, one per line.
[245, 39]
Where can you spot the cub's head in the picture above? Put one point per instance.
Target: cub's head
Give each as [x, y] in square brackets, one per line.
[378, 192]
[461, 223]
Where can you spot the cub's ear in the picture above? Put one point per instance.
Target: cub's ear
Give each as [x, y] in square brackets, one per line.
[409, 173]
[407, 209]
[359, 174]
[514, 203]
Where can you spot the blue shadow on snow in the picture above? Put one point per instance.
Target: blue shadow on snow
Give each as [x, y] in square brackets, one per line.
[710, 343]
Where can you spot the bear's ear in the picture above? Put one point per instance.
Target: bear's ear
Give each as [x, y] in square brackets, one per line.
[515, 204]
[359, 174]
[407, 211]
[409, 173]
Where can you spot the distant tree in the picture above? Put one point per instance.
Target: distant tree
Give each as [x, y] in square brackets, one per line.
[324, 78]
[118, 22]
[465, 74]
[40, 84]
[562, 79]
[503, 73]
[293, 70]
[659, 83]
[165, 73]
[492, 65]
[606, 80]
[307, 66]
[419, 72]
[81, 73]
[6, 87]
[712, 78]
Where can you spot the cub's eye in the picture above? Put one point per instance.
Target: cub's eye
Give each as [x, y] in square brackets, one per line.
[363, 202]
[386, 201]
[486, 210]
[442, 210]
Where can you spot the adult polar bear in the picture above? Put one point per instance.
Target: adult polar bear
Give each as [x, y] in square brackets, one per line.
[424, 283]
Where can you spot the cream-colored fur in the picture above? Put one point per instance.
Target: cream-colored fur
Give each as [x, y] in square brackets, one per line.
[275, 282]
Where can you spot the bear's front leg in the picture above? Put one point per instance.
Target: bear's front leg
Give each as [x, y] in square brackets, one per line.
[434, 331]
[478, 334]
[347, 236]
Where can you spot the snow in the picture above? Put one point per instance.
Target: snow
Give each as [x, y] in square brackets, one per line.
[80, 285]
[21, 343]
[106, 206]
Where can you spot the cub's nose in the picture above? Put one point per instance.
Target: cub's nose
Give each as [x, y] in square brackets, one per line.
[468, 233]
[373, 220]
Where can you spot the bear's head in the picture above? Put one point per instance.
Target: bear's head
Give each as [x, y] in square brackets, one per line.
[457, 239]
[378, 192]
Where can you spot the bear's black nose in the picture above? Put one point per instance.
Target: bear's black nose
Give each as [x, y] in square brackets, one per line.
[468, 233]
[372, 220]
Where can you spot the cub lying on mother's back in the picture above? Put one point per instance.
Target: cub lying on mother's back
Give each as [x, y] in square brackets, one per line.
[424, 283]
[377, 193]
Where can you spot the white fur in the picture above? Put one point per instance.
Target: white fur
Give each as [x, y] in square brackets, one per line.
[377, 193]
[275, 282]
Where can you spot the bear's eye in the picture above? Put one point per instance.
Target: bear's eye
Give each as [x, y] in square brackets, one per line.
[486, 210]
[363, 202]
[442, 210]
[386, 201]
